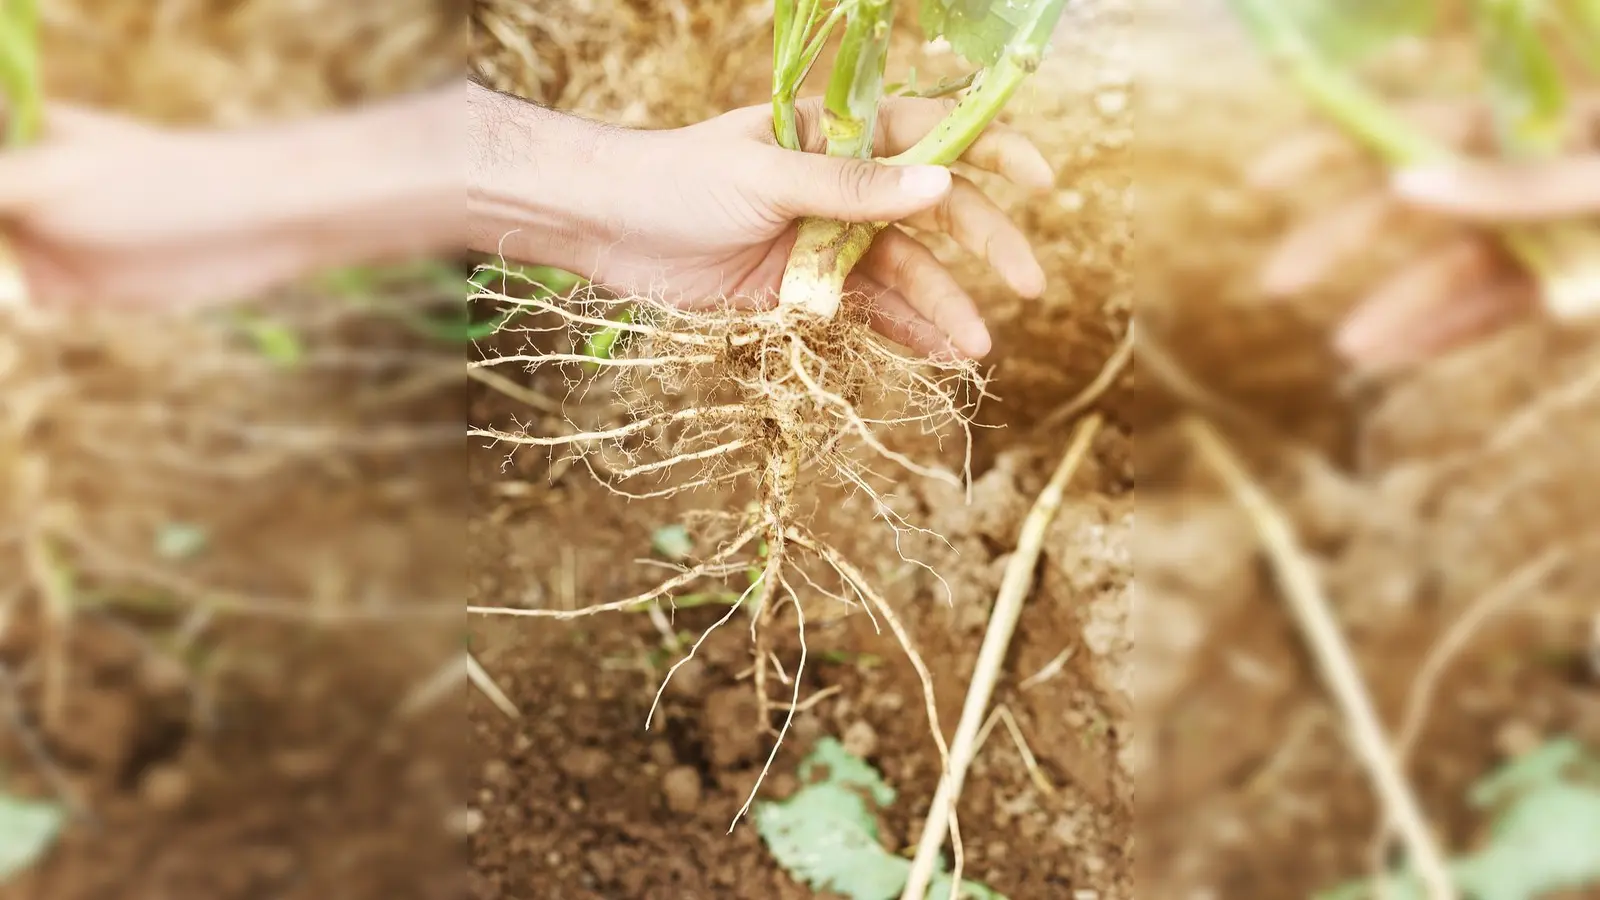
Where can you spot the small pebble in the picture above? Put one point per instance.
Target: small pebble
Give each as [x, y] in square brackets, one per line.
[166, 788]
[464, 822]
[496, 773]
[662, 754]
[682, 789]
[589, 762]
[860, 740]
[303, 765]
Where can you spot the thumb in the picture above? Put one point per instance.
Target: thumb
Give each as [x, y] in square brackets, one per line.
[796, 185]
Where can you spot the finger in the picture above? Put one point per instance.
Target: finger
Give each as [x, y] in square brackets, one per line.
[794, 185]
[1506, 192]
[1297, 158]
[984, 229]
[1458, 295]
[892, 315]
[903, 121]
[901, 263]
[1310, 254]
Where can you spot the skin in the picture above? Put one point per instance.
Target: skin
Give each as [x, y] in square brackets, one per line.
[1462, 290]
[707, 213]
[108, 212]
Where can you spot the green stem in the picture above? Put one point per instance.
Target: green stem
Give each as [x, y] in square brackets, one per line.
[1569, 273]
[797, 42]
[1337, 95]
[826, 251]
[790, 71]
[990, 93]
[1528, 96]
[850, 107]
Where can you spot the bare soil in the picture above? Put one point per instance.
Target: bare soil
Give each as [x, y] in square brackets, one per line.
[579, 800]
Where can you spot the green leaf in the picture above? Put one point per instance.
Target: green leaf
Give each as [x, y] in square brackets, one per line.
[180, 540]
[826, 834]
[603, 343]
[672, 542]
[27, 829]
[274, 340]
[1543, 840]
[546, 280]
[977, 29]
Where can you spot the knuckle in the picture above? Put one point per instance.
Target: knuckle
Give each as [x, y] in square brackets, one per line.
[855, 181]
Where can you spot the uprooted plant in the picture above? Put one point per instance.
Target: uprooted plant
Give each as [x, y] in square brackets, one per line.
[756, 399]
[1526, 86]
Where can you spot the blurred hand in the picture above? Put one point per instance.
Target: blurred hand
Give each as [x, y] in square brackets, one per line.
[1458, 291]
[707, 212]
[108, 212]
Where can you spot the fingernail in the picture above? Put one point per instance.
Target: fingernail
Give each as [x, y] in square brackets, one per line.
[925, 182]
[1374, 342]
[974, 343]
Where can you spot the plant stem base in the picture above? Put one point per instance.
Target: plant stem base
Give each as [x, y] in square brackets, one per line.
[824, 254]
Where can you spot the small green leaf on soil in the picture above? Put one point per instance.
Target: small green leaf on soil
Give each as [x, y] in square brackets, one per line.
[27, 829]
[672, 542]
[274, 340]
[826, 834]
[180, 540]
[1543, 840]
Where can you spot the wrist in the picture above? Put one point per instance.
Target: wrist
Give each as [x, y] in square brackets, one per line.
[543, 183]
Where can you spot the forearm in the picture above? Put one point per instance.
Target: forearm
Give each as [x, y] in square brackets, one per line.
[379, 184]
[540, 183]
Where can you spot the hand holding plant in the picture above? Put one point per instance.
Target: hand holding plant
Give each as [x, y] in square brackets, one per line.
[708, 213]
[1466, 286]
[1533, 121]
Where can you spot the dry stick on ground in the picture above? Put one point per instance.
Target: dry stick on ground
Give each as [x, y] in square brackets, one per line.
[1303, 590]
[1015, 587]
[513, 390]
[1001, 715]
[1097, 388]
[438, 685]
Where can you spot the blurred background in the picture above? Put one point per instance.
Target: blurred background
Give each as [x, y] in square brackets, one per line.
[1444, 510]
[231, 545]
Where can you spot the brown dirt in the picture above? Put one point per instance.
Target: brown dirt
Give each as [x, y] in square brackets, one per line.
[579, 801]
[578, 797]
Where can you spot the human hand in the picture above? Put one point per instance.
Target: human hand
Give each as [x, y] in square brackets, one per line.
[705, 213]
[107, 212]
[1458, 291]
